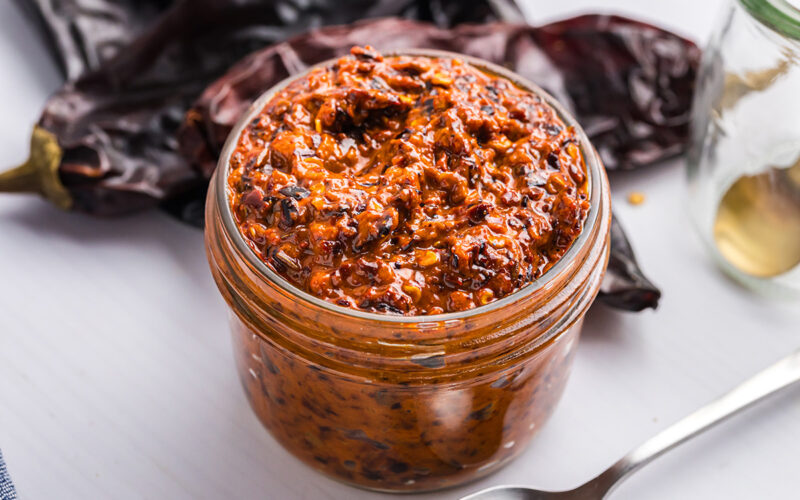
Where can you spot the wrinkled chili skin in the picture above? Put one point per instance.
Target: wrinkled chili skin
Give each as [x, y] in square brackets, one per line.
[408, 185]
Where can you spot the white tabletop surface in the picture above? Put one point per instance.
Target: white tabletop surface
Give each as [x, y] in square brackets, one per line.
[117, 377]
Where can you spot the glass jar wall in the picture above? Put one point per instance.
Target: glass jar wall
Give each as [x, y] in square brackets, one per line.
[405, 403]
[744, 163]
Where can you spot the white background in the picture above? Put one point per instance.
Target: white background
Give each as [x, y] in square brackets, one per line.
[117, 379]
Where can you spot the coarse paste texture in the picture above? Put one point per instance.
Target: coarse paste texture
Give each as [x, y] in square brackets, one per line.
[401, 437]
[407, 184]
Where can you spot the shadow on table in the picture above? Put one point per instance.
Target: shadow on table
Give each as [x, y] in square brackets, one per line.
[148, 232]
[605, 325]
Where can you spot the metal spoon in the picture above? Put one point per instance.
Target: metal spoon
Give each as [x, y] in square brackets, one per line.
[778, 376]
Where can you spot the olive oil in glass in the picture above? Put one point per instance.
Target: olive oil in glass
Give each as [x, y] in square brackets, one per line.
[744, 160]
[757, 227]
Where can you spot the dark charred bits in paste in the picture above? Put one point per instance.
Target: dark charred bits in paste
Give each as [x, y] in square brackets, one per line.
[408, 185]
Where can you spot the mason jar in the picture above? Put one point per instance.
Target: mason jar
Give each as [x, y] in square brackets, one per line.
[744, 161]
[405, 403]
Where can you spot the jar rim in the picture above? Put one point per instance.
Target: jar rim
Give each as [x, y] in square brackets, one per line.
[591, 158]
[782, 16]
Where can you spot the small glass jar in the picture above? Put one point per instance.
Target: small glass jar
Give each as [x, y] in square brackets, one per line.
[744, 162]
[399, 403]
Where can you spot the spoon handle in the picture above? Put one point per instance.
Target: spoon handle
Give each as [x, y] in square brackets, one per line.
[778, 376]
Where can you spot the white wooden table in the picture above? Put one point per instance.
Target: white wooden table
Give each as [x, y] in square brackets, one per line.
[117, 379]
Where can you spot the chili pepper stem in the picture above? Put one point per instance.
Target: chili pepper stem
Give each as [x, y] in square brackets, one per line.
[21, 179]
[39, 173]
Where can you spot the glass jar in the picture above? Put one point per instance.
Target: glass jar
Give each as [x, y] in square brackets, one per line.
[744, 162]
[399, 403]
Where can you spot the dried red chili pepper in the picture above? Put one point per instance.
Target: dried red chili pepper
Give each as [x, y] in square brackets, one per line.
[624, 285]
[115, 125]
[83, 34]
[630, 85]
